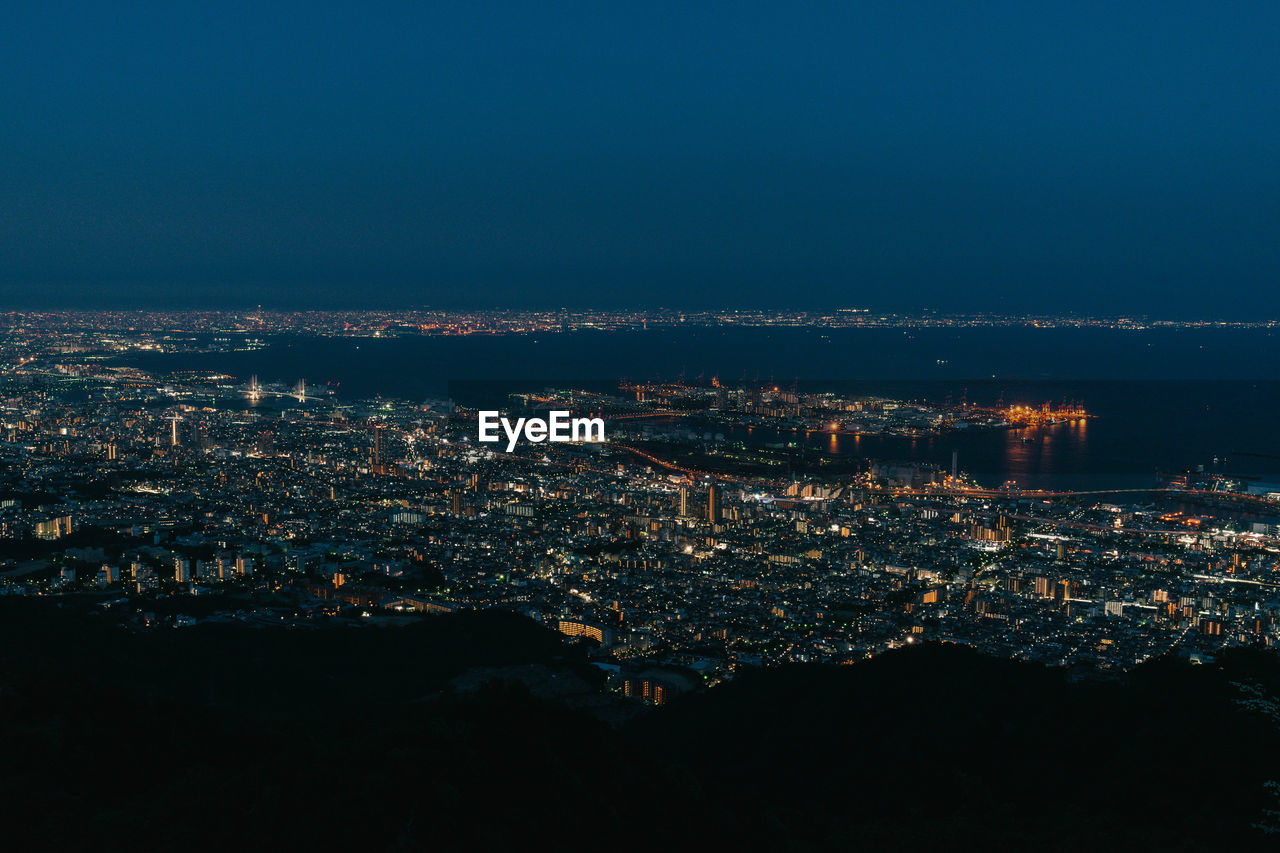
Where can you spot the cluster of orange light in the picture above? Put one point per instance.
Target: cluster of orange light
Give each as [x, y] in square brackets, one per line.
[1034, 416]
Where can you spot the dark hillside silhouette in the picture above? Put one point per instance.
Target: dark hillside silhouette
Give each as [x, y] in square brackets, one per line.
[252, 738]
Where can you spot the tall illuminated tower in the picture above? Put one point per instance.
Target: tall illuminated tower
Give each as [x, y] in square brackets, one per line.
[173, 429]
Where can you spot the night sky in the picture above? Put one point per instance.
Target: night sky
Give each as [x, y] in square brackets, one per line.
[1118, 157]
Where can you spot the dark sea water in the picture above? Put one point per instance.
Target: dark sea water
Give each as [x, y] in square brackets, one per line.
[1163, 399]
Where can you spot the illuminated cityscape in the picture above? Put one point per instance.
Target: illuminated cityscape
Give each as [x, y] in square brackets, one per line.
[724, 530]
[670, 544]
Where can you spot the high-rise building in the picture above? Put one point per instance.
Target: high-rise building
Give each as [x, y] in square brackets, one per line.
[713, 504]
[53, 528]
[684, 501]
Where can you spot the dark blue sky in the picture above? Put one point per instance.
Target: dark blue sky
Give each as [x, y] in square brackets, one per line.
[1103, 157]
